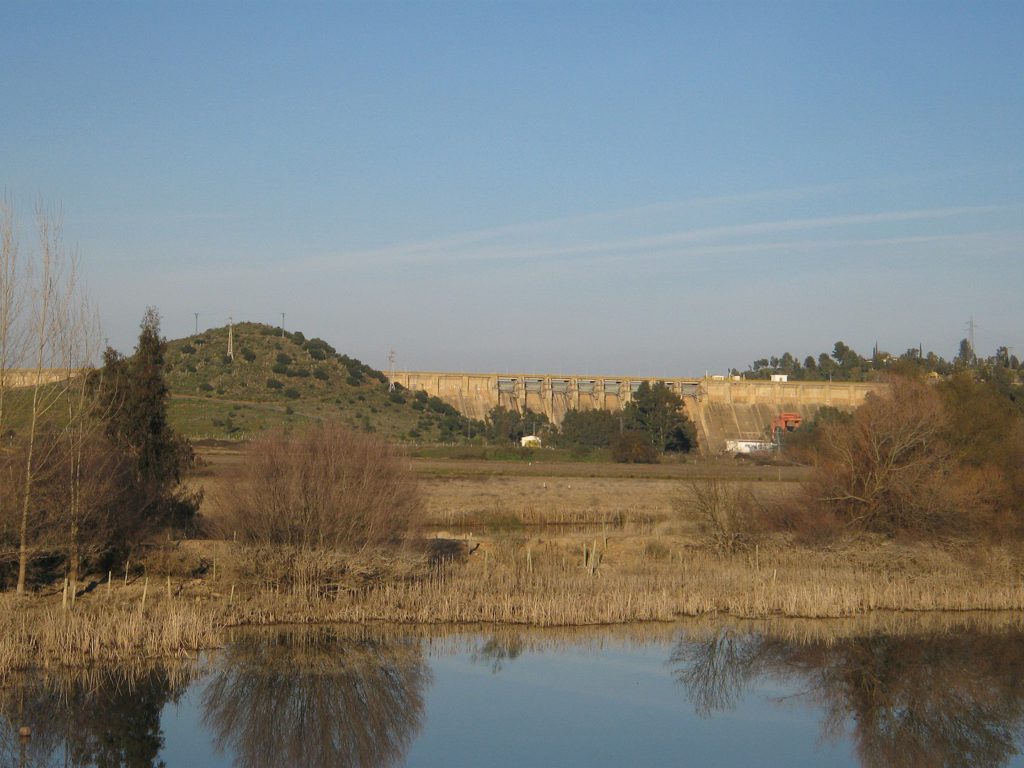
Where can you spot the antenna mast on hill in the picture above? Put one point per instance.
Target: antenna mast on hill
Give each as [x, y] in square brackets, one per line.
[197, 322]
[391, 371]
[231, 337]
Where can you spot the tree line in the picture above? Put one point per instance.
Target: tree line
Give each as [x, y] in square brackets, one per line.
[652, 423]
[89, 465]
[844, 363]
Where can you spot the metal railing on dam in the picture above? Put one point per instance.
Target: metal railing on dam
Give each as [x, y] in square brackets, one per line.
[722, 407]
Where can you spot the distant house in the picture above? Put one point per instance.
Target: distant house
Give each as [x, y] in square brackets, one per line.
[530, 441]
[780, 377]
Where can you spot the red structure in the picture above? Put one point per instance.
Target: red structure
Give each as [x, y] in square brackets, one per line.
[786, 422]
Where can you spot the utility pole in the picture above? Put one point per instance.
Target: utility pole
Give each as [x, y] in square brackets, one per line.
[197, 322]
[231, 338]
[282, 325]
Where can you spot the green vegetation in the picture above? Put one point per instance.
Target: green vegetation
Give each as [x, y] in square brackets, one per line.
[652, 423]
[845, 364]
[505, 426]
[279, 378]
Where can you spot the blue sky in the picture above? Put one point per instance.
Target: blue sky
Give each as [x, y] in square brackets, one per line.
[634, 188]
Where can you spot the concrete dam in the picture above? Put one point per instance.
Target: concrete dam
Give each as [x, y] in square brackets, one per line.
[722, 408]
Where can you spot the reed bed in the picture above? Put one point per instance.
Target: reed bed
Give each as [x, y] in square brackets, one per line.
[510, 581]
[530, 582]
[39, 633]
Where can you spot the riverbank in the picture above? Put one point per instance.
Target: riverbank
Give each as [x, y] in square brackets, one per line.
[507, 581]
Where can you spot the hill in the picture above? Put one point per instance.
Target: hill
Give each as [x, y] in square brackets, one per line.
[277, 377]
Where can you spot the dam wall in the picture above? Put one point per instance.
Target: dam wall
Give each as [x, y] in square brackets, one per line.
[722, 408]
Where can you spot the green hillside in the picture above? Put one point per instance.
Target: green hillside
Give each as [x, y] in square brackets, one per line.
[284, 378]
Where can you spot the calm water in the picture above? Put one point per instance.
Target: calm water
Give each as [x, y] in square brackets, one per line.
[792, 694]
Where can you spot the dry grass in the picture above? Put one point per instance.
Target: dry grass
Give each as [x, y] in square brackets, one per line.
[526, 550]
[513, 581]
[41, 633]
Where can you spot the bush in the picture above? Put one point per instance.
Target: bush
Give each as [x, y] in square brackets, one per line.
[886, 470]
[291, 393]
[724, 513]
[280, 369]
[633, 448]
[188, 349]
[321, 375]
[206, 386]
[274, 384]
[247, 354]
[326, 487]
[283, 359]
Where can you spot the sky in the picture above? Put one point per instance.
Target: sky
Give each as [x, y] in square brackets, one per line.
[635, 188]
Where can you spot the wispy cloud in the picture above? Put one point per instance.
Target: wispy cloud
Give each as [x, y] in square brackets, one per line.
[497, 245]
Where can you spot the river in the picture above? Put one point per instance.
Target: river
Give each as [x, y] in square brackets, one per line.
[891, 691]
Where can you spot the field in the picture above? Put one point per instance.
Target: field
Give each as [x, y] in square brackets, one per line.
[516, 542]
[581, 543]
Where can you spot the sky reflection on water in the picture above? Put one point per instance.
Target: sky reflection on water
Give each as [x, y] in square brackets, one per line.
[736, 694]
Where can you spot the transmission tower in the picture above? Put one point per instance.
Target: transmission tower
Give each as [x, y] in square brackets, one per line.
[391, 371]
[971, 327]
[231, 338]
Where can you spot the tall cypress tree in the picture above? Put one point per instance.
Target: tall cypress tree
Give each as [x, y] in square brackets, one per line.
[146, 427]
[134, 401]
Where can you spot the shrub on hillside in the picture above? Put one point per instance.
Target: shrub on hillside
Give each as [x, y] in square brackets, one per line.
[326, 487]
[274, 384]
[291, 393]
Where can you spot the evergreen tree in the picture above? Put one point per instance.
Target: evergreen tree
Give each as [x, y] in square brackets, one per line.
[657, 412]
[134, 400]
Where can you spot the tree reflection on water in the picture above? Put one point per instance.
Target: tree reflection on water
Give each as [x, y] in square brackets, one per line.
[107, 717]
[316, 697]
[952, 699]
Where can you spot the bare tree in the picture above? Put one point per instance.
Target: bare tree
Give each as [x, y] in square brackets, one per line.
[724, 512]
[326, 487]
[885, 470]
[52, 290]
[12, 291]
